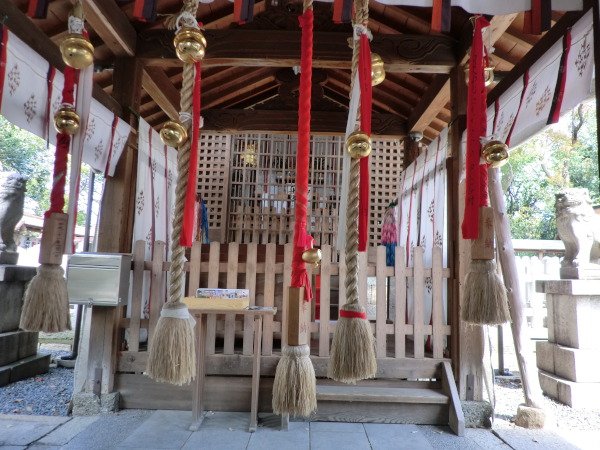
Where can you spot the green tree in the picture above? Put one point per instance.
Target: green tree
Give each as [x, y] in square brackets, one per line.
[27, 154]
[564, 155]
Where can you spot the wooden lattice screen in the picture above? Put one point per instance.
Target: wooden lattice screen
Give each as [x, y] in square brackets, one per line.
[248, 183]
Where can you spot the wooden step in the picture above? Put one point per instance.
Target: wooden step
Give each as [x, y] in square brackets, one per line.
[381, 394]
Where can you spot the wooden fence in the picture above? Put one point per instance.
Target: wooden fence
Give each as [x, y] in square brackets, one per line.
[266, 271]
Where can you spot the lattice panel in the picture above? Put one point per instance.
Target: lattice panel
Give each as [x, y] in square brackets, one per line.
[386, 163]
[261, 202]
[213, 181]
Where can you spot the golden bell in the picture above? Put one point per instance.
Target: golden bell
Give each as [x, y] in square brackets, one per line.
[77, 51]
[173, 134]
[377, 69]
[488, 74]
[495, 153]
[190, 45]
[66, 121]
[358, 145]
[312, 256]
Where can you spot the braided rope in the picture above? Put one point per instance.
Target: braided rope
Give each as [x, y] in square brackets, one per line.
[361, 8]
[183, 161]
[307, 4]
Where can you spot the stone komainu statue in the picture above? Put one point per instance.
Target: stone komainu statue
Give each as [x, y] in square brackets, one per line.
[578, 227]
[12, 197]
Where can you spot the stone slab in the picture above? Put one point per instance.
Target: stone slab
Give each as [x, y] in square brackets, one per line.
[568, 287]
[580, 365]
[9, 347]
[88, 404]
[544, 355]
[16, 273]
[28, 343]
[580, 273]
[386, 436]
[477, 414]
[298, 437]
[30, 366]
[575, 395]
[527, 439]
[163, 429]
[24, 430]
[64, 434]
[11, 303]
[575, 320]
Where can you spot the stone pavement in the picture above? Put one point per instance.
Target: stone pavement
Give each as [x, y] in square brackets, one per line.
[143, 429]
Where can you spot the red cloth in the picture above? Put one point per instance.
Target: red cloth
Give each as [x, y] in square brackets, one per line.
[302, 241]
[63, 143]
[352, 314]
[187, 229]
[476, 129]
[366, 100]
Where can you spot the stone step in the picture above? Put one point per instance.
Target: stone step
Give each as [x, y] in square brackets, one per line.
[576, 395]
[573, 364]
[24, 368]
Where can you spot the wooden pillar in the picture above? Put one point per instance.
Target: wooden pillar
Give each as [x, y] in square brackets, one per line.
[596, 15]
[467, 344]
[115, 233]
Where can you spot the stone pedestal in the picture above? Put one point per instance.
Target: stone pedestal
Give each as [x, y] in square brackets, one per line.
[569, 361]
[18, 349]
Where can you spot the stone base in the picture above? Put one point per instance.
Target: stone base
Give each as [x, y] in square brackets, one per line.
[88, 404]
[580, 273]
[573, 364]
[477, 414]
[9, 257]
[528, 417]
[12, 285]
[24, 368]
[575, 395]
[17, 345]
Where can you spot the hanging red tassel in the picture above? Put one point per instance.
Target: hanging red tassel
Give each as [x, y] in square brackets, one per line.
[300, 277]
[366, 100]
[476, 129]
[187, 229]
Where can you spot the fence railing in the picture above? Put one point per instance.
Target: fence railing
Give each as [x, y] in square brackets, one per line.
[266, 271]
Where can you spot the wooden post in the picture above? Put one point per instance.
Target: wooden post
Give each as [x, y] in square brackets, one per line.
[596, 19]
[115, 231]
[411, 151]
[297, 328]
[467, 343]
[523, 350]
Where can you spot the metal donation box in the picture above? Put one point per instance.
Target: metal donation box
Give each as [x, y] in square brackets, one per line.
[98, 279]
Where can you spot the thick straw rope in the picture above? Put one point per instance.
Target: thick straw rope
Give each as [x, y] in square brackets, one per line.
[351, 283]
[183, 161]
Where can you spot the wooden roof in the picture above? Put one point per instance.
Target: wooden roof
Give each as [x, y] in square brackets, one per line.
[247, 80]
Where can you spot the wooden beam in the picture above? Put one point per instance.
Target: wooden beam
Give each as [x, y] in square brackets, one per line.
[438, 93]
[280, 48]
[25, 29]
[112, 25]
[158, 86]
[334, 123]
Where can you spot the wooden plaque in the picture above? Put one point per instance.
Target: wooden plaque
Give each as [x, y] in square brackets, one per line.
[482, 248]
[54, 236]
[297, 332]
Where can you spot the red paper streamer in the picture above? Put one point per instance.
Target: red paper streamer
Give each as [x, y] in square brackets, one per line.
[559, 92]
[353, 314]
[63, 142]
[366, 100]
[300, 277]
[476, 129]
[3, 49]
[187, 229]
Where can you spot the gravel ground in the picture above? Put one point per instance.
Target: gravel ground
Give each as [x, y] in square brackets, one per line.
[509, 395]
[47, 394]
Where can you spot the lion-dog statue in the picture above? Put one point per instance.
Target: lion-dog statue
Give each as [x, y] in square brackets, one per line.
[12, 198]
[578, 227]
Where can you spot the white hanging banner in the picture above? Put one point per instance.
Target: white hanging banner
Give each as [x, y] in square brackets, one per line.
[580, 64]
[537, 101]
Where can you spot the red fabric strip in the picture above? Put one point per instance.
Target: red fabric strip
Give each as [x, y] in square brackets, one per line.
[300, 277]
[436, 16]
[559, 92]
[63, 142]
[3, 51]
[111, 145]
[536, 16]
[527, 22]
[338, 5]
[353, 314]
[237, 11]
[187, 229]
[476, 129]
[366, 100]
[38, 9]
